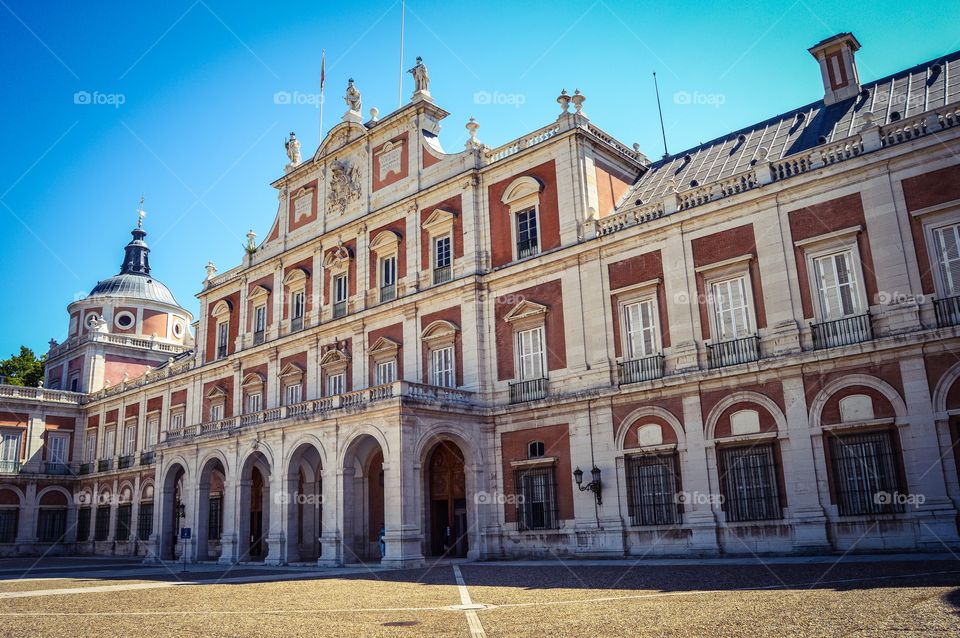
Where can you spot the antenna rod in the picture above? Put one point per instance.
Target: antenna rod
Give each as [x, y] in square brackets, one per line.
[400, 82]
[323, 80]
[663, 131]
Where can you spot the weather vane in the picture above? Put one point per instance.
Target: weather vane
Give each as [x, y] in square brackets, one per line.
[141, 214]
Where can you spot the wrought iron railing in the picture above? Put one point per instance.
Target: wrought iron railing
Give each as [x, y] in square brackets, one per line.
[85, 468]
[947, 311]
[259, 337]
[222, 351]
[442, 274]
[9, 467]
[733, 352]
[842, 332]
[637, 370]
[146, 458]
[388, 292]
[56, 467]
[104, 465]
[296, 324]
[529, 390]
[339, 309]
[527, 248]
[125, 461]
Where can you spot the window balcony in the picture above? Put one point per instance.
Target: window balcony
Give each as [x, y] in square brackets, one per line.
[638, 370]
[259, 337]
[733, 352]
[442, 274]
[222, 351]
[85, 468]
[104, 465]
[947, 311]
[125, 461]
[527, 248]
[147, 458]
[842, 332]
[296, 324]
[56, 467]
[530, 390]
[9, 467]
[388, 293]
[339, 309]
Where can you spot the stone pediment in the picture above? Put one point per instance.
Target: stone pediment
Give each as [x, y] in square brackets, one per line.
[526, 310]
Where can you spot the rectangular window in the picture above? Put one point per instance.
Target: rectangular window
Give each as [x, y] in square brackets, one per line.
[442, 260]
[109, 443]
[254, 402]
[215, 518]
[340, 294]
[9, 520]
[129, 439]
[864, 471]
[74, 383]
[536, 502]
[749, 483]
[292, 393]
[124, 516]
[641, 329]
[145, 521]
[948, 258]
[102, 529]
[259, 324]
[176, 421]
[527, 244]
[216, 412]
[57, 451]
[52, 524]
[388, 278]
[90, 449]
[223, 331]
[299, 307]
[153, 425]
[837, 286]
[442, 369]
[730, 309]
[530, 353]
[336, 383]
[386, 372]
[652, 489]
[10, 450]
[83, 524]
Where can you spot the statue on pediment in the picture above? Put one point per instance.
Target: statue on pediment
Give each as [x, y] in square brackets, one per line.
[421, 78]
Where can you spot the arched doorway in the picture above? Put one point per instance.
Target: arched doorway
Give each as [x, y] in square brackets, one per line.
[304, 513]
[255, 514]
[363, 503]
[210, 510]
[447, 508]
[9, 515]
[174, 514]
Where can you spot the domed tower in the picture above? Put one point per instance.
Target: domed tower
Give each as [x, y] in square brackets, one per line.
[129, 323]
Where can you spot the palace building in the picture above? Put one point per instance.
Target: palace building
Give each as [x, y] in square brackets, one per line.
[552, 347]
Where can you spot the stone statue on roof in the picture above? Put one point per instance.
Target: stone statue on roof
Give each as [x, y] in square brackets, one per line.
[292, 145]
[421, 78]
[352, 97]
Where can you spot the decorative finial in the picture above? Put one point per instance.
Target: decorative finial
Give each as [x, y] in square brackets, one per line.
[564, 101]
[578, 99]
[472, 127]
[141, 213]
[374, 115]
[251, 246]
[211, 270]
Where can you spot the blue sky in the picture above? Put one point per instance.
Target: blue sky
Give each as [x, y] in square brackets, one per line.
[178, 102]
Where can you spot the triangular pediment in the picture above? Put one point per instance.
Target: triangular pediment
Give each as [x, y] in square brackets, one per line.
[334, 357]
[526, 310]
[438, 218]
[216, 392]
[384, 344]
[291, 370]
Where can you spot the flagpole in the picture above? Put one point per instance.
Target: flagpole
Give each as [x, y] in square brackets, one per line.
[400, 83]
[323, 56]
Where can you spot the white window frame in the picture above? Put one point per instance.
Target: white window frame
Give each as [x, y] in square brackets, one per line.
[90, 446]
[385, 372]
[60, 438]
[337, 278]
[336, 383]
[293, 393]
[626, 329]
[223, 339]
[443, 366]
[10, 445]
[253, 402]
[129, 437]
[260, 319]
[109, 442]
[522, 195]
[540, 356]
[815, 248]
[153, 426]
[439, 225]
[217, 410]
[858, 296]
[942, 280]
[177, 419]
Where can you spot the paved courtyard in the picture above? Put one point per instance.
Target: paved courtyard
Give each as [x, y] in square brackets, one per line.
[858, 596]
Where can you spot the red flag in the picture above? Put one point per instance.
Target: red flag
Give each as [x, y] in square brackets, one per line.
[323, 75]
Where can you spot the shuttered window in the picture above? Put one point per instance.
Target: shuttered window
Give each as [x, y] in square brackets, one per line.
[530, 349]
[641, 329]
[837, 286]
[730, 308]
[948, 257]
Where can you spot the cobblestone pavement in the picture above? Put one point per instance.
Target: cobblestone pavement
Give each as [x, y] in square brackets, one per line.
[862, 596]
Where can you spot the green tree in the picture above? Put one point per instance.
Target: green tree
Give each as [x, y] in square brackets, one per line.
[23, 369]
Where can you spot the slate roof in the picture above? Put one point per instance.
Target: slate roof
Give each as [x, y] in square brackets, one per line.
[912, 91]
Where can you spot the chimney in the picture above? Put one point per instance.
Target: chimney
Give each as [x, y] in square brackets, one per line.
[838, 67]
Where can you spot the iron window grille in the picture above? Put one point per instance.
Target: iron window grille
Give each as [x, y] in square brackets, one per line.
[652, 494]
[442, 271]
[52, 525]
[145, 521]
[527, 244]
[9, 520]
[124, 514]
[102, 529]
[947, 311]
[215, 519]
[864, 473]
[536, 498]
[83, 524]
[748, 477]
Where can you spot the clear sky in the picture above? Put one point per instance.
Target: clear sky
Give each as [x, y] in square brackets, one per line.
[189, 103]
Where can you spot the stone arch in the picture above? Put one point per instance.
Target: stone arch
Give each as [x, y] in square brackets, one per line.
[303, 480]
[53, 488]
[255, 473]
[12, 504]
[846, 381]
[21, 497]
[174, 490]
[942, 391]
[762, 401]
[363, 465]
[211, 480]
[358, 433]
[650, 411]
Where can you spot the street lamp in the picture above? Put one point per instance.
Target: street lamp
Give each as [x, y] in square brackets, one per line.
[593, 486]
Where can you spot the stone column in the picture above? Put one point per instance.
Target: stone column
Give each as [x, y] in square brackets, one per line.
[27, 523]
[599, 523]
[331, 538]
[279, 494]
[228, 538]
[403, 535]
[411, 345]
[698, 514]
[682, 310]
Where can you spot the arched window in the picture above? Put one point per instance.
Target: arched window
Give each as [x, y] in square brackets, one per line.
[535, 450]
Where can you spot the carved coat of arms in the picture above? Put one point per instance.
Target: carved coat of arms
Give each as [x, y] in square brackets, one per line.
[344, 185]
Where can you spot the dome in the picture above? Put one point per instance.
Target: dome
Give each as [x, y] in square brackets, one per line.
[134, 287]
